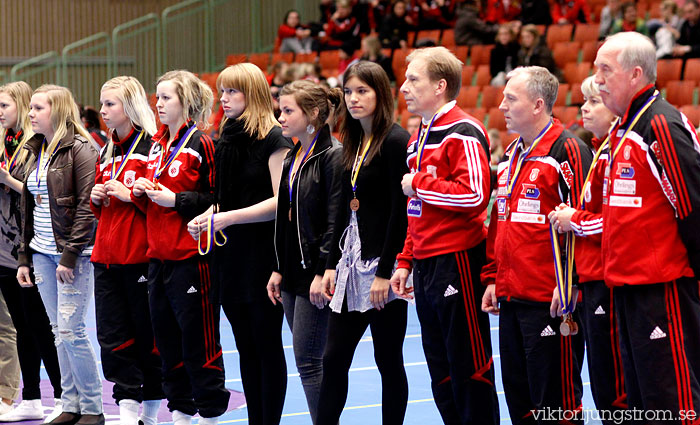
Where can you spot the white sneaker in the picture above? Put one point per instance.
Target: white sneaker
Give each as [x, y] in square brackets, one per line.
[57, 410]
[4, 407]
[26, 410]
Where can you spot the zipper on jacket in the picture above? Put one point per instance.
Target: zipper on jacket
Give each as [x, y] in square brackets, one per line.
[301, 167]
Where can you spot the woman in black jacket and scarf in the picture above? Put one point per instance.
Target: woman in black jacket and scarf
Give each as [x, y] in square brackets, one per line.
[248, 162]
[306, 212]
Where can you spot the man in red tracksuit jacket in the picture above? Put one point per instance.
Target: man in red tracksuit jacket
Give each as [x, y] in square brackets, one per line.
[544, 167]
[651, 232]
[448, 189]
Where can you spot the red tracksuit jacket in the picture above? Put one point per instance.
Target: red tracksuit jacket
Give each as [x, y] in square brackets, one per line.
[519, 245]
[191, 176]
[121, 226]
[651, 197]
[452, 188]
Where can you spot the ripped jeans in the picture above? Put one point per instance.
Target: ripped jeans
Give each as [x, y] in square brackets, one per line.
[66, 305]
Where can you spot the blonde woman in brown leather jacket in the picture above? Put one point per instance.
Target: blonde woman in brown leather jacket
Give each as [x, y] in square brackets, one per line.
[59, 230]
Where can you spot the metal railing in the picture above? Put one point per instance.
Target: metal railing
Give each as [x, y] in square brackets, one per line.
[195, 35]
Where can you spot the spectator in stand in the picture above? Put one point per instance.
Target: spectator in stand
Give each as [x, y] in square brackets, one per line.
[666, 30]
[570, 12]
[609, 14]
[342, 29]
[347, 58]
[372, 51]
[535, 12]
[413, 124]
[395, 27]
[378, 9]
[436, 14]
[688, 45]
[470, 29]
[293, 36]
[504, 57]
[629, 21]
[534, 52]
[502, 11]
[91, 120]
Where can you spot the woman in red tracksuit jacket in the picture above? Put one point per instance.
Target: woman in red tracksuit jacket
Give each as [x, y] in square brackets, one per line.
[184, 313]
[119, 257]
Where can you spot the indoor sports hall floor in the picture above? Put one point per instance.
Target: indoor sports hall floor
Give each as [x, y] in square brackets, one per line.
[363, 406]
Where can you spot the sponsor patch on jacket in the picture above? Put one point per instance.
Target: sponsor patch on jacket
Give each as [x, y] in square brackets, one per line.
[567, 173]
[174, 169]
[530, 191]
[529, 206]
[625, 187]
[518, 217]
[414, 208]
[501, 207]
[626, 201]
[534, 173]
[129, 178]
[625, 170]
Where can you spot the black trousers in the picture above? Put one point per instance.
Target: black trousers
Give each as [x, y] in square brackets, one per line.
[129, 357]
[659, 327]
[541, 369]
[599, 327]
[35, 340]
[456, 336]
[257, 329]
[345, 330]
[186, 330]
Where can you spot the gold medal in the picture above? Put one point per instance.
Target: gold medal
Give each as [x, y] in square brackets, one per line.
[354, 204]
[38, 199]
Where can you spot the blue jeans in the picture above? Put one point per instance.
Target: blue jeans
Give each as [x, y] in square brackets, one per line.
[309, 334]
[66, 305]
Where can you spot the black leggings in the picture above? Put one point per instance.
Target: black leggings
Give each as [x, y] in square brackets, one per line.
[345, 330]
[35, 340]
[257, 328]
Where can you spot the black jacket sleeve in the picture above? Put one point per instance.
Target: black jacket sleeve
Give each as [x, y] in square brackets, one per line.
[332, 169]
[192, 203]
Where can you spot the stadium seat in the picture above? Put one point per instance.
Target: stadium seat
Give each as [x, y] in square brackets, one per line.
[668, 70]
[586, 32]
[468, 96]
[480, 54]
[576, 72]
[558, 33]
[565, 52]
[680, 92]
[491, 97]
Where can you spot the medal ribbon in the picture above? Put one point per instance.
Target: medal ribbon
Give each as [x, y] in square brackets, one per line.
[521, 158]
[358, 164]
[564, 275]
[634, 121]
[39, 168]
[587, 182]
[178, 149]
[211, 240]
[420, 149]
[132, 148]
[293, 173]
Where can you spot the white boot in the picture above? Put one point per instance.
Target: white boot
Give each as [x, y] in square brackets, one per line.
[128, 412]
[26, 410]
[149, 415]
[180, 418]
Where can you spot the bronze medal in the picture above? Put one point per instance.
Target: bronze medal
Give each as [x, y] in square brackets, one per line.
[7, 189]
[106, 202]
[38, 199]
[507, 211]
[564, 329]
[568, 326]
[290, 213]
[354, 204]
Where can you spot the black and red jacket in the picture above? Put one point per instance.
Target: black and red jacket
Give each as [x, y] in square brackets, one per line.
[574, 11]
[587, 222]
[453, 187]
[343, 31]
[651, 197]
[191, 177]
[519, 244]
[121, 226]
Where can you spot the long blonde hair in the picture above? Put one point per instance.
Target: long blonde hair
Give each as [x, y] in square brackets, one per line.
[21, 94]
[132, 95]
[258, 116]
[64, 113]
[194, 94]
